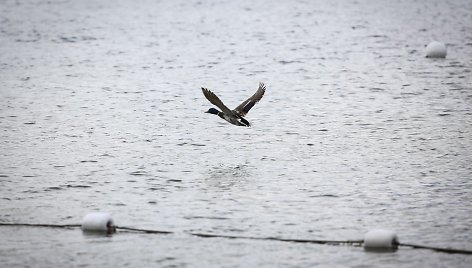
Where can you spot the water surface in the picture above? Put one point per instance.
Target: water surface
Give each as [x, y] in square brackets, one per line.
[101, 110]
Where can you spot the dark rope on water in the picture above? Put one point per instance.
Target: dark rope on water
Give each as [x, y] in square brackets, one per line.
[308, 241]
[41, 225]
[143, 230]
[202, 235]
[446, 250]
[356, 243]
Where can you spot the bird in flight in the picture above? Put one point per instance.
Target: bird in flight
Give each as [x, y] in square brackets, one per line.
[236, 116]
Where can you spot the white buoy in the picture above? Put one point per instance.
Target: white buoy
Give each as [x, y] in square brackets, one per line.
[98, 222]
[436, 49]
[380, 240]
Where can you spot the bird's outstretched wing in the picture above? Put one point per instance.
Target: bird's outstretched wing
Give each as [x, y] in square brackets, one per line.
[244, 107]
[216, 101]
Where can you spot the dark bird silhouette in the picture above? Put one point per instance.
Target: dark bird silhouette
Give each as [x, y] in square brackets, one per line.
[236, 116]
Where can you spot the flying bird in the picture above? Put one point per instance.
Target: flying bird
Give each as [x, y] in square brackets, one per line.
[236, 116]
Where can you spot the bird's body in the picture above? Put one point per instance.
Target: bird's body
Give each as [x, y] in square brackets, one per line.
[235, 120]
[236, 116]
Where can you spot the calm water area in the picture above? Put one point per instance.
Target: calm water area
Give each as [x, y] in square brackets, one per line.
[101, 109]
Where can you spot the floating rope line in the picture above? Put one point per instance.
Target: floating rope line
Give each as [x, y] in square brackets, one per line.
[307, 241]
[202, 235]
[446, 250]
[143, 230]
[41, 225]
[355, 243]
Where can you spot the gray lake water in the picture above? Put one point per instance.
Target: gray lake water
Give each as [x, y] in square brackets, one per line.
[101, 110]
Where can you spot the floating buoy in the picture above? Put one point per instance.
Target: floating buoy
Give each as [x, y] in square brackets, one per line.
[98, 222]
[380, 240]
[436, 49]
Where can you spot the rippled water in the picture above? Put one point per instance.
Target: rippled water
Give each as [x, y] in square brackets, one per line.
[101, 109]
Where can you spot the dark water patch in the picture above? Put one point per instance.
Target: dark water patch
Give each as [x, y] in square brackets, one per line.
[53, 188]
[138, 173]
[236, 230]
[63, 187]
[358, 27]
[28, 192]
[76, 186]
[3, 176]
[411, 93]
[206, 217]
[198, 145]
[456, 64]
[118, 204]
[284, 62]
[378, 36]
[88, 161]
[73, 39]
[72, 136]
[33, 36]
[324, 195]
[174, 180]
[158, 189]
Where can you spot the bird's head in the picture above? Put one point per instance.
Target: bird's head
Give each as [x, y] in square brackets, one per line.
[212, 111]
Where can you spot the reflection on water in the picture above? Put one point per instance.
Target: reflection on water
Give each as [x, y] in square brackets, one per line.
[225, 177]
